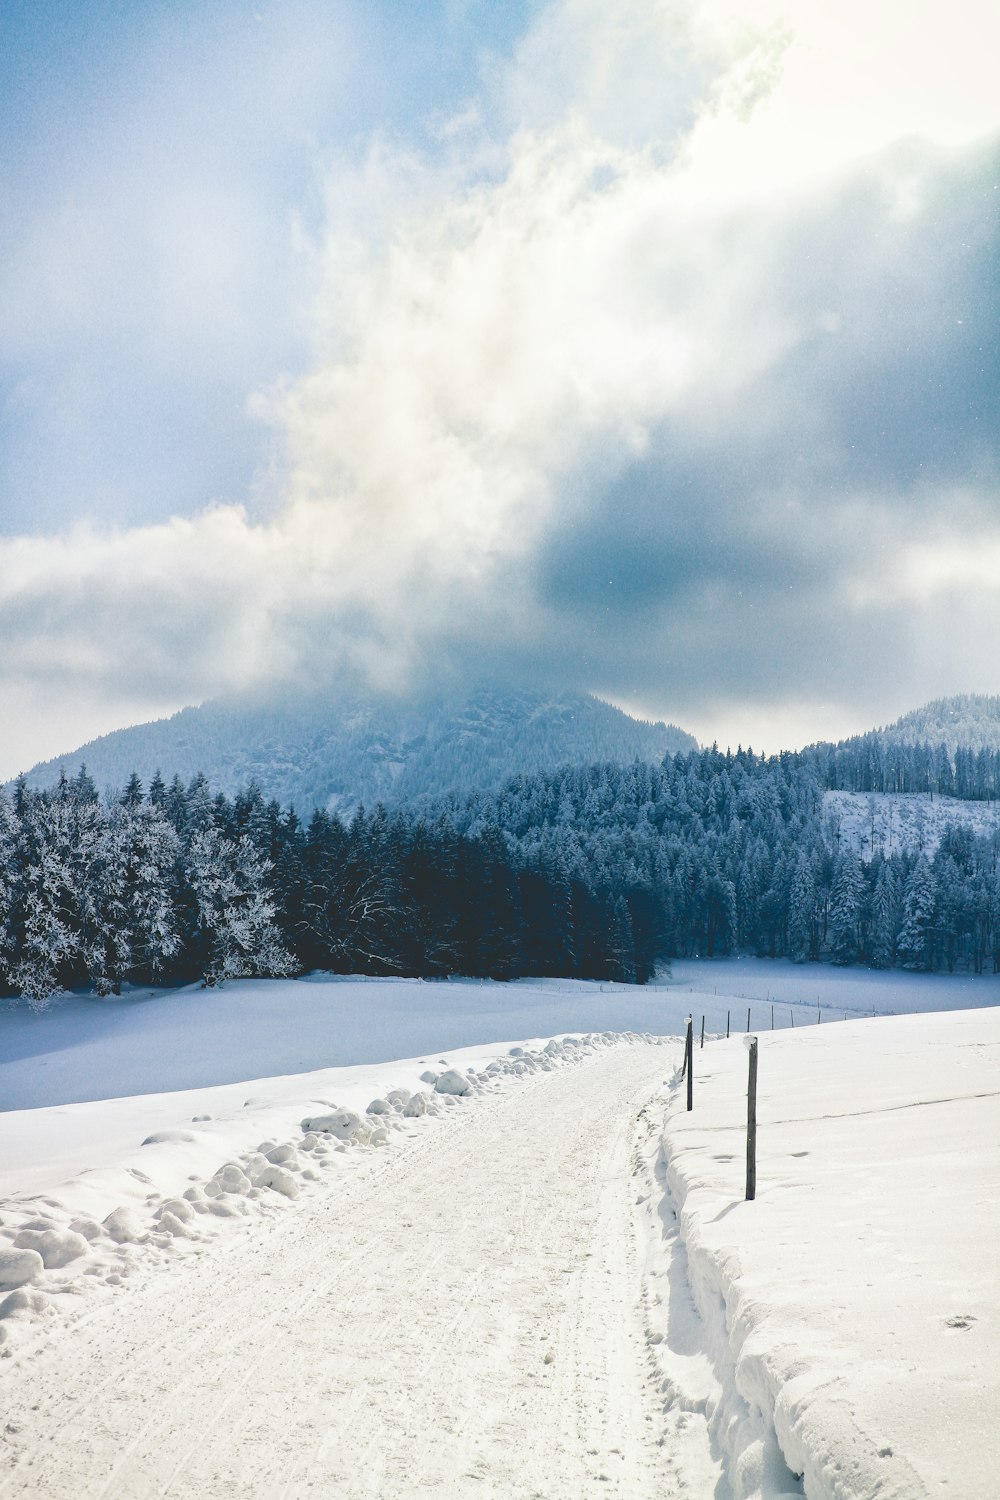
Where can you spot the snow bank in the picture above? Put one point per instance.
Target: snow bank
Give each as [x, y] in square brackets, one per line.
[97, 1192]
[853, 1309]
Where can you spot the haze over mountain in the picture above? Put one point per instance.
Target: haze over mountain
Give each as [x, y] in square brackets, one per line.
[336, 752]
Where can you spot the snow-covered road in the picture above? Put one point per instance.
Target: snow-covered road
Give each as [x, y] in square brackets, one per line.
[461, 1314]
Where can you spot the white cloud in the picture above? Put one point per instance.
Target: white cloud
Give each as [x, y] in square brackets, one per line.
[493, 351]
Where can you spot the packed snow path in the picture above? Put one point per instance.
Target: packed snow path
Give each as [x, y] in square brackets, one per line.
[460, 1316]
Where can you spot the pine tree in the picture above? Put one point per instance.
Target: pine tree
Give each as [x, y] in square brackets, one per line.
[915, 943]
[45, 933]
[802, 912]
[846, 898]
[132, 795]
[230, 881]
[9, 832]
[148, 854]
[622, 966]
[886, 917]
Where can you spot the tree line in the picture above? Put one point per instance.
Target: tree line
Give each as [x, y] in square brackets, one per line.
[876, 762]
[734, 856]
[171, 884]
[601, 871]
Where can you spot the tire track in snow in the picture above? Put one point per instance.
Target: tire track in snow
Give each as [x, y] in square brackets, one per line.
[402, 1345]
[91, 1396]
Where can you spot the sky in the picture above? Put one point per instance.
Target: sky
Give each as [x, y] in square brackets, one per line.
[647, 347]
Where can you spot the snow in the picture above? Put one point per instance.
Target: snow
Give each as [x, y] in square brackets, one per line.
[721, 983]
[514, 1267]
[143, 1169]
[853, 1308]
[83, 1047]
[456, 1311]
[866, 822]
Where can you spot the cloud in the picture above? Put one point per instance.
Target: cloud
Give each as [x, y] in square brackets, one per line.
[631, 398]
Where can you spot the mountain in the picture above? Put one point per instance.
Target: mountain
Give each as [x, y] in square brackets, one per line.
[971, 720]
[335, 753]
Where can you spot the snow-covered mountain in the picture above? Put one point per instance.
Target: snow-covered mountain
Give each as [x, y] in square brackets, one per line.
[971, 720]
[334, 753]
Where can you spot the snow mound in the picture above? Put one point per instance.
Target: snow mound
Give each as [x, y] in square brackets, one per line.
[453, 1082]
[123, 1226]
[342, 1123]
[19, 1266]
[57, 1248]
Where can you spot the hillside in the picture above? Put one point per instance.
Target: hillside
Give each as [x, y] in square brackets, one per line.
[870, 823]
[335, 753]
[971, 720]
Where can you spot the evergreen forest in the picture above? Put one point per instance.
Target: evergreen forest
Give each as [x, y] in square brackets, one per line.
[601, 871]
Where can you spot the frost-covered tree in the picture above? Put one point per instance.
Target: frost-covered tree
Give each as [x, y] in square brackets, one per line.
[846, 899]
[886, 917]
[236, 909]
[915, 943]
[45, 916]
[145, 852]
[9, 832]
[802, 912]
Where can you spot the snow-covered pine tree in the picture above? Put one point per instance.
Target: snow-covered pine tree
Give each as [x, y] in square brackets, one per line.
[147, 850]
[846, 899]
[8, 881]
[802, 912]
[132, 795]
[230, 881]
[886, 917]
[915, 943]
[45, 927]
[622, 965]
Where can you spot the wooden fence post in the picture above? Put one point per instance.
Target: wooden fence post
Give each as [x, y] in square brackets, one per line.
[689, 1058]
[751, 1045]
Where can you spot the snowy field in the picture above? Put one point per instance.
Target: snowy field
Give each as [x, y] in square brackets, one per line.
[836, 992]
[484, 1267]
[82, 1048]
[852, 1310]
[897, 821]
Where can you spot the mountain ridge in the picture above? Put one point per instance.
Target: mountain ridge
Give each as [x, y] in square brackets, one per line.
[337, 752]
